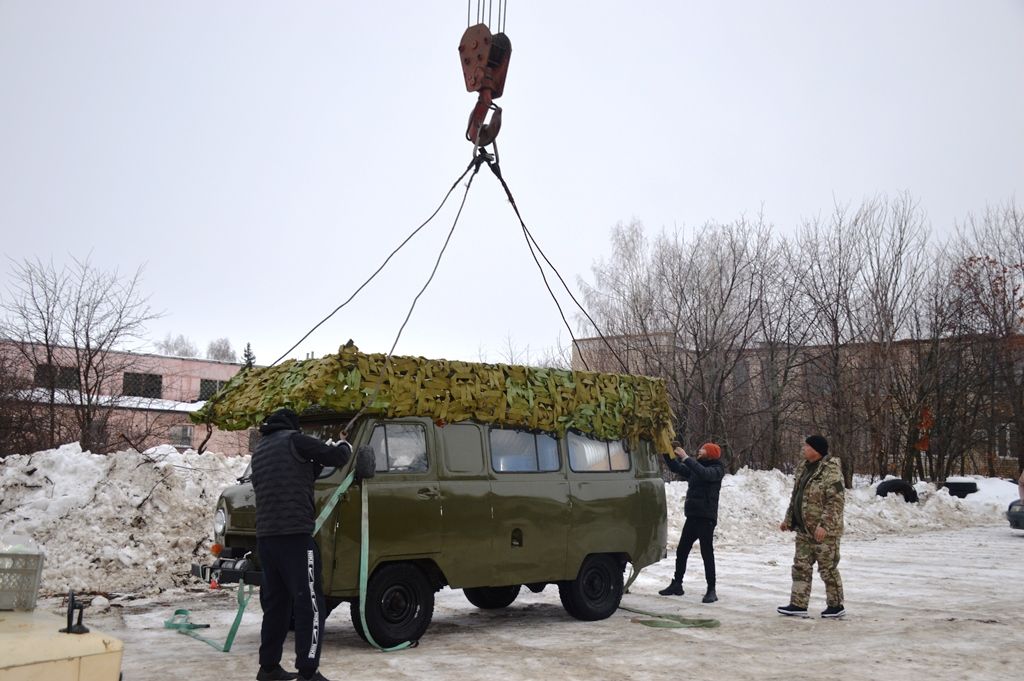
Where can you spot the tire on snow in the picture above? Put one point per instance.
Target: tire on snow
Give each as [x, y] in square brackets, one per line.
[597, 590]
[399, 605]
[961, 488]
[901, 487]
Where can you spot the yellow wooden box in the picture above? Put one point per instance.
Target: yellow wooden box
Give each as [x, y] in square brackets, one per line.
[33, 649]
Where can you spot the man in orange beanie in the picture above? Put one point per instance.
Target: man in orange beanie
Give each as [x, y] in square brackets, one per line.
[704, 477]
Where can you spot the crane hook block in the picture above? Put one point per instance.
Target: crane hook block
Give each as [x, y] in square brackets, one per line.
[485, 60]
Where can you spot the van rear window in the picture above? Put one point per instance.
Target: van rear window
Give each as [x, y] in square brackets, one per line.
[587, 454]
[520, 451]
[399, 447]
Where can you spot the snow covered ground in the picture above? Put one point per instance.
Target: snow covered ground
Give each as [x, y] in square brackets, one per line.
[933, 590]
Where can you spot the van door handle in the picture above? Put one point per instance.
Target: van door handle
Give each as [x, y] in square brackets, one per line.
[427, 493]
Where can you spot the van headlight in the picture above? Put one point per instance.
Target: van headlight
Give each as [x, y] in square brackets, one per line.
[220, 521]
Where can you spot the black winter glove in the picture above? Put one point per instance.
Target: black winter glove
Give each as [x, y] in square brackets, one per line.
[366, 462]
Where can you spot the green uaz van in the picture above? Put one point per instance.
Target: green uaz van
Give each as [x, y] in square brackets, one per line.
[486, 506]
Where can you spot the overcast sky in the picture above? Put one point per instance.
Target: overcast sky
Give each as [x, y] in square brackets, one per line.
[262, 159]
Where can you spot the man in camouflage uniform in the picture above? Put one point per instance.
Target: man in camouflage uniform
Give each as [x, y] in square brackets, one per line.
[816, 514]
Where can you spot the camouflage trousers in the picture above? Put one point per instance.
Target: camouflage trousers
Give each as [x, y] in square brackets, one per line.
[826, 555]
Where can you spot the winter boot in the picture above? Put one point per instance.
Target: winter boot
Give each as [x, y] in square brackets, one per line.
[674, 588]
[792, 611]
[275, 673]
[833, 611]
[710, 596]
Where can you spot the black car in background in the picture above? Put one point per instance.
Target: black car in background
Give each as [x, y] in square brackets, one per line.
[1015, 514]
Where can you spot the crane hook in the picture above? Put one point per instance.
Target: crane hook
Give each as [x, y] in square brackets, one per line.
[485, 60]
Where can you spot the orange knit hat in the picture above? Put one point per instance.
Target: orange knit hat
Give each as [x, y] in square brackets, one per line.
[712, 450]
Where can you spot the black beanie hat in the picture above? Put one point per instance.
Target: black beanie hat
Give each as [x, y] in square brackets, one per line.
[285, 416]
[818, 443]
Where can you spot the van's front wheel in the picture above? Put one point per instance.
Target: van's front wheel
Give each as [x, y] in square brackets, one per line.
[399, 605]
[492, 597]
[597, 590]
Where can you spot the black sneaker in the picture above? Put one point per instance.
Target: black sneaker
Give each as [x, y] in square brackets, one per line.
[275, 673]
[710, 597]
[833, 611]
[792, 611]
[673, 589]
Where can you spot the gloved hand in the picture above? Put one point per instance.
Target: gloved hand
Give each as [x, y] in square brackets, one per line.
[366, 463]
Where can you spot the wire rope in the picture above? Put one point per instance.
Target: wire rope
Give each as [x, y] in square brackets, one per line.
[383, 264]
[531, 243]
[477, 161]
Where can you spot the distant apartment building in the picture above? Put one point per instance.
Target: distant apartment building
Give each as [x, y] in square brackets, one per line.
[141, 400]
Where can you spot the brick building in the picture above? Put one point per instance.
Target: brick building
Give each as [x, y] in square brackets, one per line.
[142, 399]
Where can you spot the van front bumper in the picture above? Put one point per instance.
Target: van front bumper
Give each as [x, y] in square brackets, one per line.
[228, 571]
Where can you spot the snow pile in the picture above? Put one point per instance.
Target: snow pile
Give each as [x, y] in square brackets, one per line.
[131, 522]
[753, 503]
[118, 523]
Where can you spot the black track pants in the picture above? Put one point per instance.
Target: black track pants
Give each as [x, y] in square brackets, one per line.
[291, 585]
[702, 530]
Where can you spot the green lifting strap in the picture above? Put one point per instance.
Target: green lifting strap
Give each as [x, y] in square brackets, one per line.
[328, 508]
[182, 623]
[633, 574]
[181, 620]
[364, 559]
[666, 621]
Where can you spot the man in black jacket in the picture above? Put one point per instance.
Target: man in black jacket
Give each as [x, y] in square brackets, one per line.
[285, 463]
[704, 477]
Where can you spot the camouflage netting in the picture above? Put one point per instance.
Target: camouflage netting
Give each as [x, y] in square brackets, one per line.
[607, 406]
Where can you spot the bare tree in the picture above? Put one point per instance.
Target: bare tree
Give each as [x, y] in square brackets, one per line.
[782, 331]
[835, 256]
[894, 239]
[16, 413]
[992, 280]
[177, 346]
[221, 350]
[35, 320]
[66, 325]
[670, 310]
[906, 355]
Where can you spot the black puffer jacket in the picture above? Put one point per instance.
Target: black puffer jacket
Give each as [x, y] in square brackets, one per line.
[284, 465]
[704, 483]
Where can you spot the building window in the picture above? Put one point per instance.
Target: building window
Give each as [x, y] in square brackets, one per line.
[1003, 440]
[208, 387]
[520, 451]
[588, 454]
[180, 436]
[143, 385]
[64, 378]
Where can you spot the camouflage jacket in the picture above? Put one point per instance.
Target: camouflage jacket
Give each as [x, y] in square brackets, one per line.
[823, 498]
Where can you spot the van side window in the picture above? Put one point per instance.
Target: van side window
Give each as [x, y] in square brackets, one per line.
[399, 447]
[519, 451]
[463, 448]
[646, 461]
[588, 454]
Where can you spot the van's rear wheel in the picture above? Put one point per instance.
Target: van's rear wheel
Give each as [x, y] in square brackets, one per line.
[492, 597]
[399, 605]
[597, 590]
